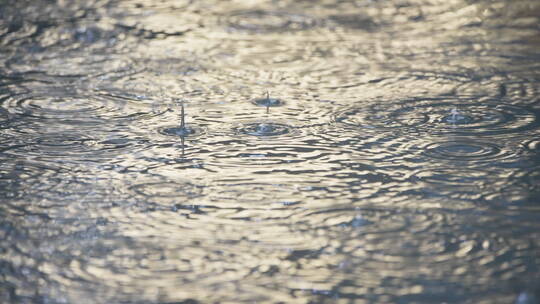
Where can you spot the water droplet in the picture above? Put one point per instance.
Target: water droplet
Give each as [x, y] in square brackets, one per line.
[268, 102]
[265, 129]
[179, 131]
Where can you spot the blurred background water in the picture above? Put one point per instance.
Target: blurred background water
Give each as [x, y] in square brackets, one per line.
[333, 151]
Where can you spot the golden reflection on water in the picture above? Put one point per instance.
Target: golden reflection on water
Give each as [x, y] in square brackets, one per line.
[356, 188]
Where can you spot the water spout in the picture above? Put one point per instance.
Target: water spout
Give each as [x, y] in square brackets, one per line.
[267, 102]
[182, 116]
[455, 116]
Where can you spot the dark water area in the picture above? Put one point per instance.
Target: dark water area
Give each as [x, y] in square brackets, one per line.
[279, 151]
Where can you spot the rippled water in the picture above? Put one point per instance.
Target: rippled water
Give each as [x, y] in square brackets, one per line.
[270, 151]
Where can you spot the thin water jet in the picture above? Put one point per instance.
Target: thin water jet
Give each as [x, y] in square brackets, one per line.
[455, 116]
[183, 130]
[267, 102]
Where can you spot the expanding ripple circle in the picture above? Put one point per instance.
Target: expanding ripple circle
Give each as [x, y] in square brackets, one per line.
[441, 117]
[455, 188]
[179, 131]
[74, 145]
[50, 107]
[454, 177]
[67, 106]
[267, 102]
[261, 21]
[462, 150]
[173, 190]
[264, 129]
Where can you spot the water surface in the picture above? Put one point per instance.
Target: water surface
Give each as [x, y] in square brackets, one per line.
[330, 151]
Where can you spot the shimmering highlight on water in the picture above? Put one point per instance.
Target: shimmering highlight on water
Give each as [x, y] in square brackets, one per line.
[261, 151]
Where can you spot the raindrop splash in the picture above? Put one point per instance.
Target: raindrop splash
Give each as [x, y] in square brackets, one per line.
[268, 102]
[183, 129]
[265, 129]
